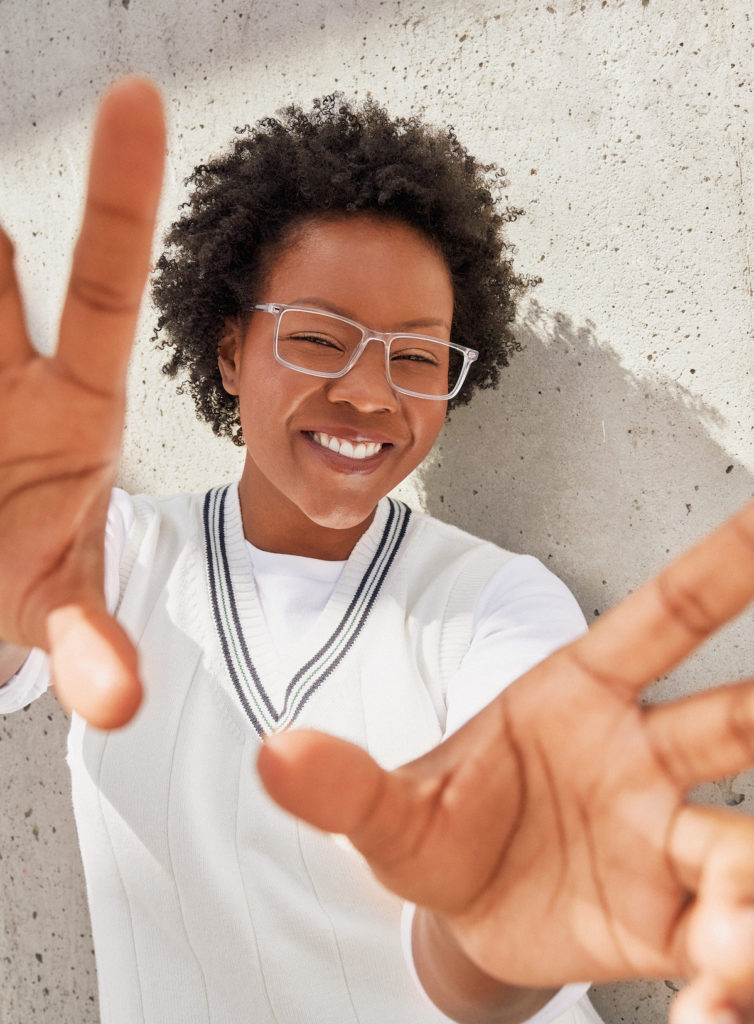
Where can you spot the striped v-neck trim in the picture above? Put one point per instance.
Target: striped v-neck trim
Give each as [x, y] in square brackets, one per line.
[222, 525]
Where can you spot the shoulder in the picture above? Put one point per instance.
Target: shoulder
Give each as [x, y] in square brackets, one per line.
[441, 546]
[139, 513]
[525, 598]
[504, 588]
[132, 507]
[511, 577]
[151, 532]
[523, 583]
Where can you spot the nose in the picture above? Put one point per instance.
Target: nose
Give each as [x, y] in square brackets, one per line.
[366, 386]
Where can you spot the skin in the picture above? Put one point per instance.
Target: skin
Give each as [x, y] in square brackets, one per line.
[296, 496]
[537, 852]
[56, 470]
[548, 854]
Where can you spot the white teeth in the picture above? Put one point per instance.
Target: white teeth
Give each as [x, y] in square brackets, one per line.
[362, 450]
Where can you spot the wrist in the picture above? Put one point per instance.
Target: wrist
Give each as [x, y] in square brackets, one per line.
[458, 987]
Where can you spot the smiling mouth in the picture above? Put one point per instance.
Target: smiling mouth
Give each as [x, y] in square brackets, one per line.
[359, 451]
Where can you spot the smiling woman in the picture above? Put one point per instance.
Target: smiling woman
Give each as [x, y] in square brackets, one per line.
[336, 159]
[494, 834]
[299, 496]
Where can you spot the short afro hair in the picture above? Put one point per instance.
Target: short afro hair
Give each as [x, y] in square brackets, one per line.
[336, 159]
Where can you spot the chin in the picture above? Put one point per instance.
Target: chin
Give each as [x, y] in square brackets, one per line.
[344, 517]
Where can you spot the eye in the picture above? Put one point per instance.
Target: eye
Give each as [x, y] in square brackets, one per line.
[422, 356]
[309, 338]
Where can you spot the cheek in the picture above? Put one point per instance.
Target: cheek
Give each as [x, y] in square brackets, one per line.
[260, 384]
[270, 394]
[427, 425]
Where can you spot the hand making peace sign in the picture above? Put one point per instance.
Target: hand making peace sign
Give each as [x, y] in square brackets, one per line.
[61, 421]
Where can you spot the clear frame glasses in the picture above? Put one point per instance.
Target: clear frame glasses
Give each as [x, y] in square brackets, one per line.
[326, 345]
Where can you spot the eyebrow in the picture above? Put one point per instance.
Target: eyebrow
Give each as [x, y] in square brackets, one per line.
[314, 300]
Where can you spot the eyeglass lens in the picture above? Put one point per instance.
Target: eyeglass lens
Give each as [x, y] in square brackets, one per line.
[324, 344]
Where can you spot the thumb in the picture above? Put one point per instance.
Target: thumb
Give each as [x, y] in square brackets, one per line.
[331, 784]
[94, 665]
[387, 816]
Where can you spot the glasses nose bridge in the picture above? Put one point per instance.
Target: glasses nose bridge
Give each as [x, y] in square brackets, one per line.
[367, 335]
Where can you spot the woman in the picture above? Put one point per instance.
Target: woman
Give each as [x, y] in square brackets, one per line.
[338, 294]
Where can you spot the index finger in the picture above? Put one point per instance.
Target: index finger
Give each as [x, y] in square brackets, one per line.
[654, 628]
[112, 254]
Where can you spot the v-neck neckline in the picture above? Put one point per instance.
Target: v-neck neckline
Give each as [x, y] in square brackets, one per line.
[250, 657]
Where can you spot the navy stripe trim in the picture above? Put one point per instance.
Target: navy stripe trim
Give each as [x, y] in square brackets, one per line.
[212, 570]
[230, 632]
[395, 509]
[234, 610]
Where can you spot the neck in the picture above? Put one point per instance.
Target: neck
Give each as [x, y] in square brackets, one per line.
[273, 523]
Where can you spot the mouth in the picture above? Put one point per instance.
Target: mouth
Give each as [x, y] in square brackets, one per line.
[356, 450]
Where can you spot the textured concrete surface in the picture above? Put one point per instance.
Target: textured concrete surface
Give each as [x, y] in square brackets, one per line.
[621, 433]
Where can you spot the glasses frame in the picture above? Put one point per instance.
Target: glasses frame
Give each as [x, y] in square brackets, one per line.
[470, 355]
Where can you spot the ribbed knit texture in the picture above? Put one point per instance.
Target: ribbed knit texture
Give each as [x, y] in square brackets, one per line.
[208, 903]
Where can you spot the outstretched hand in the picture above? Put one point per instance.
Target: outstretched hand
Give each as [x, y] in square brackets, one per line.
[61, 420]
[551, 835]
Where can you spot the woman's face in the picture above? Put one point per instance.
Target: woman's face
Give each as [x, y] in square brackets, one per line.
[298, 496]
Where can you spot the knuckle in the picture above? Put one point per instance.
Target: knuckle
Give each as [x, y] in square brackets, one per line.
[743, 526]
[672, 754]
[128, 217]
[101, 295]
[684, 605]
[576, 657]
[741, 721]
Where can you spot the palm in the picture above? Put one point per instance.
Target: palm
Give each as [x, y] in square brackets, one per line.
[59, 443]
[62, 417]
[581, 849]
[551, 833]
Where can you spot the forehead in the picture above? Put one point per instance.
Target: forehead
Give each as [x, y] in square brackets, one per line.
[372, 268]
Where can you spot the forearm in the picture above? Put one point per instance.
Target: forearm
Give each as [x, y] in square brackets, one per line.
[11, 660]
[458, 987]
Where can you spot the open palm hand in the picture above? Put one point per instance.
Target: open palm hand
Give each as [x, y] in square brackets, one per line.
[551, 834]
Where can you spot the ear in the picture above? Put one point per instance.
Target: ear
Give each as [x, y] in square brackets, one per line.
[229, 351]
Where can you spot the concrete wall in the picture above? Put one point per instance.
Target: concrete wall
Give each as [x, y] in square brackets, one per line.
[622, 432]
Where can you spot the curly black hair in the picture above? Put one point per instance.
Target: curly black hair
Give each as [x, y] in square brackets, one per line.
[335, 159]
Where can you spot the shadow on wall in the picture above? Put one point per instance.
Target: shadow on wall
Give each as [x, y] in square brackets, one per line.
[601, 474]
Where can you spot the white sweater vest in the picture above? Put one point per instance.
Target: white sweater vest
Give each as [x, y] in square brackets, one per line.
[208, 903]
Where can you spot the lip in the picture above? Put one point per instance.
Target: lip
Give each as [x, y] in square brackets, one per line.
[342, 463]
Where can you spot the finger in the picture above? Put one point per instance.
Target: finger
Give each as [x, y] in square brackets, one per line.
[704, 1002]
[112, 255]
[327, 782]
[706, 735]
[94, 666]
[712, 852]
[14, 342]
[660, 624]
[338, 787]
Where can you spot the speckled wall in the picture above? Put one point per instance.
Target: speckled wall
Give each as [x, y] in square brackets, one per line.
[622, 432]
